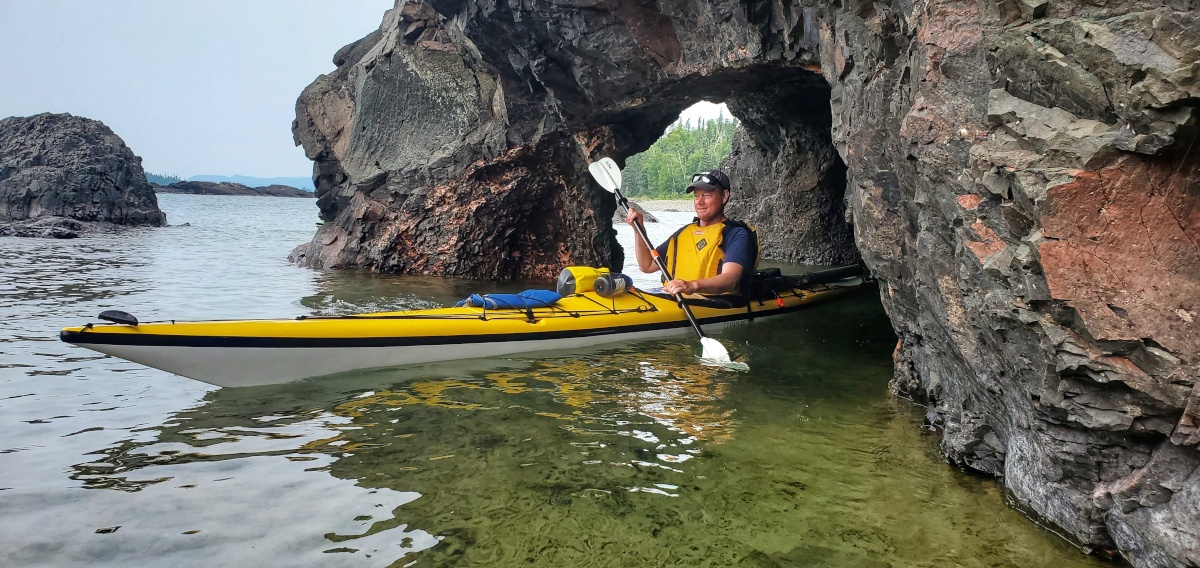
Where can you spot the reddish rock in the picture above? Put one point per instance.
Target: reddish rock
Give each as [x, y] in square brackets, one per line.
[990, 244]
[1122, 249]
[969, 201]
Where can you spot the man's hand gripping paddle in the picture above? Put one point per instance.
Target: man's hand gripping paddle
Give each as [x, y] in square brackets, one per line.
[608, 175]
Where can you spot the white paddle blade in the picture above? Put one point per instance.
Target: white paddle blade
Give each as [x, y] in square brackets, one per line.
[607, 174]
[714, 354]
[712, 350]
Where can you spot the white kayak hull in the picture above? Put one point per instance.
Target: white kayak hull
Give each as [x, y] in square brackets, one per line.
[249, 366]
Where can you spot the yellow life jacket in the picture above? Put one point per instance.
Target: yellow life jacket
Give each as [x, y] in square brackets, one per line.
[695, 252]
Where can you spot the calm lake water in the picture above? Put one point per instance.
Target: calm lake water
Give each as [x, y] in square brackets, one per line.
[629, 455]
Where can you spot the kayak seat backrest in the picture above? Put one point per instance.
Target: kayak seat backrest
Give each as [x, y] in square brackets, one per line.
[769, 282]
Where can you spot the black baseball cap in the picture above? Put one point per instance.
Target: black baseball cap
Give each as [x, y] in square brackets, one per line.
[712, 179]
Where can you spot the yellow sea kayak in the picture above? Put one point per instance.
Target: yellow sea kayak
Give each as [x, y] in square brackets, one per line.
[256, 352]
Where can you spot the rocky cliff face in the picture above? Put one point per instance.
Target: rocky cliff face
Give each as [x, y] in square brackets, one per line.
[70, 168]
[1020, 176]
[427, 161]
[1022, 180]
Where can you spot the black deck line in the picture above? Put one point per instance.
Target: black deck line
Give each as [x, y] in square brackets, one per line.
[92, 337]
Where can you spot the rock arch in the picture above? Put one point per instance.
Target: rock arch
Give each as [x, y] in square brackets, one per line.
[437, 151]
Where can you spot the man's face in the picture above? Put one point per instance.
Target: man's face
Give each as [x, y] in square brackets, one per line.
[709, 203]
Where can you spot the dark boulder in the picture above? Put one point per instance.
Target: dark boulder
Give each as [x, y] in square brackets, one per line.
[69, 167]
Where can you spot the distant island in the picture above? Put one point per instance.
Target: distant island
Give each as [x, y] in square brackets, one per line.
[228, 188]
[251, 181]
[248, 181]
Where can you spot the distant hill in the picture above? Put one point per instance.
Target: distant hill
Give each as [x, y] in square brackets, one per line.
[250, 181]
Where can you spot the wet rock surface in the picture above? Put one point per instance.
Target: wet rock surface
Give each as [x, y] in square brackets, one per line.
[1020, 177]
[61, 175]
[230, 188]
[1032, 212]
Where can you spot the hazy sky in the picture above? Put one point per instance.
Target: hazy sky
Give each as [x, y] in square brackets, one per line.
[193, 87]
[704, 111]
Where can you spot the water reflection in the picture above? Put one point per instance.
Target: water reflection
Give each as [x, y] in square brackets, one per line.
[594, 428]
[663, 404]
[618, 457]
[45, 273]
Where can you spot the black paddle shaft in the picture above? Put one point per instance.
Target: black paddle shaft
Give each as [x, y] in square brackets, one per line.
[641, 231]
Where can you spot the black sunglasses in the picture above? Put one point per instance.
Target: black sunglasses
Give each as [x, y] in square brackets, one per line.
[705, 178]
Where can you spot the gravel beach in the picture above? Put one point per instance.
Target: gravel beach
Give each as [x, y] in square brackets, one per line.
[665, 204]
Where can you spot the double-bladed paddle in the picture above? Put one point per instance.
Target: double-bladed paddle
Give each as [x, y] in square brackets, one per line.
[608, 175]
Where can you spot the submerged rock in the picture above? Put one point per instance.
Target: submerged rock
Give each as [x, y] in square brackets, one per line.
[1020, 177]
[59, 166]
[46, 227]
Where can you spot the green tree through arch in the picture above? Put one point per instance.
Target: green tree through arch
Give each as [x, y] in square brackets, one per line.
[664, 169]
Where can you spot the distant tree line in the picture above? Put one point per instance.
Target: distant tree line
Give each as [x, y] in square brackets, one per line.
[162, 180]
[665, 169]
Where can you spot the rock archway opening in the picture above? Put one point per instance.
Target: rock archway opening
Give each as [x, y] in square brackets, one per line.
[788, 178]
[698, 141]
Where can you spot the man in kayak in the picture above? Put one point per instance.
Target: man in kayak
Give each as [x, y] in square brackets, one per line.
[712, 255]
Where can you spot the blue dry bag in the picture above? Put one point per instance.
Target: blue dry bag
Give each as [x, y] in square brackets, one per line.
[523, 301]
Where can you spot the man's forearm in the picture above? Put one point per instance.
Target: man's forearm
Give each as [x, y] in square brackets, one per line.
[724, 283]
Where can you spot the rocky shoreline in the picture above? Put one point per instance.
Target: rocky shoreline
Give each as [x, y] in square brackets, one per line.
[51, 227]
[63, 176]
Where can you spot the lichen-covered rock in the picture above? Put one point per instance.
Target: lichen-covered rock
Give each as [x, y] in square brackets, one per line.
[70, 167]
[1020, 176]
